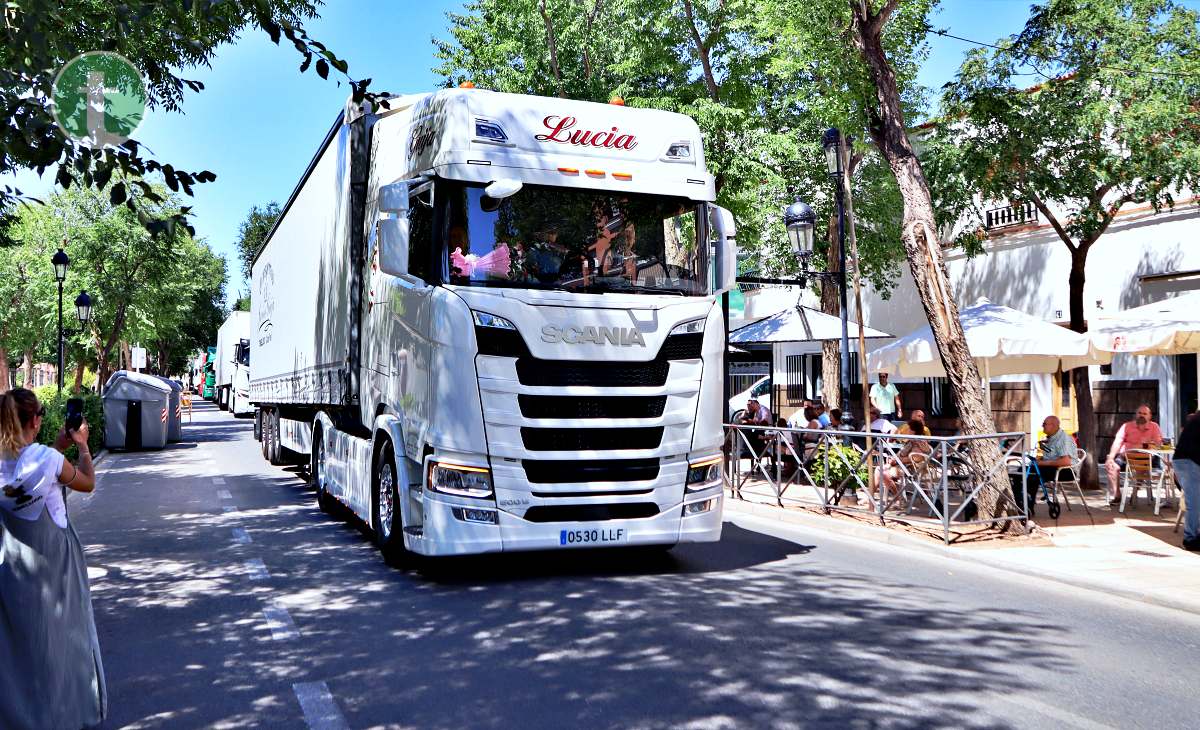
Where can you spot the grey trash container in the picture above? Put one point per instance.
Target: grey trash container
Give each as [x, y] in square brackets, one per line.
[174, 410]
[136, 410]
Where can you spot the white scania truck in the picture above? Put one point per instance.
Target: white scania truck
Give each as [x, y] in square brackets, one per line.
[489, 322]
[232, 392]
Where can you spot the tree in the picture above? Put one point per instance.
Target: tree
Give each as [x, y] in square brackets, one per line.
[162, 39]
[252, 234]
[1113, 123]
[27, 294]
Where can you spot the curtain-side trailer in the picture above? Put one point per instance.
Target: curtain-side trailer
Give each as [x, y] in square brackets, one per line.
[490, 322]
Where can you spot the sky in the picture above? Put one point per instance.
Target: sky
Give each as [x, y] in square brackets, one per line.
[258, 121]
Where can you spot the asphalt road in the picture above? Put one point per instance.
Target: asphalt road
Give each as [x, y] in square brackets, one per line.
[224, 598]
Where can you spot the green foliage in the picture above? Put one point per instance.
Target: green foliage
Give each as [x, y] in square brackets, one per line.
[252, 234]
[762, 80]
[166, 291]
[841, 459]
[56, 414]
[1112, 121]
[163, 39]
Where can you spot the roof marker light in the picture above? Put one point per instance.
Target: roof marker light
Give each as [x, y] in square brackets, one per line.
[569, 170]
[595, 173]
[622, 175]
[467, 85]
[617, 101]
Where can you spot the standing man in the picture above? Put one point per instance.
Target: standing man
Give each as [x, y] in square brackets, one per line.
[1140, 433]
[1187, 472]
[886, 398]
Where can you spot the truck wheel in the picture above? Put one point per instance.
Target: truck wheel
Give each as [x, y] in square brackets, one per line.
[258, 424]
[222, 400]
[325, 500]
[276, 454]
[386, 520]
[233, 403]
[264, 433]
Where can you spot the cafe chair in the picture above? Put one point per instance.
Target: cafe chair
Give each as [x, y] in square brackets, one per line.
[1181, 513]
[1069, 475]
[1144, 470]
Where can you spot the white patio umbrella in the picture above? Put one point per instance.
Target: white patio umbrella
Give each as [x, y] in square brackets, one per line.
[1003, 341]
[1169, 327]
[798, 324]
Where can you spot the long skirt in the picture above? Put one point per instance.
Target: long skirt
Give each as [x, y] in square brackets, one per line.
[50, 671]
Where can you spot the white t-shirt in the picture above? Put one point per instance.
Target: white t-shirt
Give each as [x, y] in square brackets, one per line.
[882, 425]
[29, 484]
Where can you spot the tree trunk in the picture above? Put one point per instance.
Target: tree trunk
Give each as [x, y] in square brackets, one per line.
[710, 79]
[79, 368]
[5, 375]
[831, 359]
[552, 44]
[27, 368]
[1085, 410]
[926, 260]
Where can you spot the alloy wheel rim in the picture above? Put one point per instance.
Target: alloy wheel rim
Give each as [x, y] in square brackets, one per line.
[386, 483]
[321, 465]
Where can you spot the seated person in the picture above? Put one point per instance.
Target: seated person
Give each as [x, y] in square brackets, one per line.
[835, 418]
[879, 424]
[1057, 450]
[915, 415]
[756, 414]
[1140, 433]
[805, 419]
[822, 415]
[910, 455]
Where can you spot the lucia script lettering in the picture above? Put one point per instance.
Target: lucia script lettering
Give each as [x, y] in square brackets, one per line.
[562, 130]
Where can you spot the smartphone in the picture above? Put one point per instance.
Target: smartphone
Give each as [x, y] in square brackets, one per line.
[74, 414]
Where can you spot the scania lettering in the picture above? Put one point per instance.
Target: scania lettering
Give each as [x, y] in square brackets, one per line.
[489, 322]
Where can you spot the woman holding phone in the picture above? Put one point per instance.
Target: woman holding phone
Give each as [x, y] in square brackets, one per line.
[53, 676]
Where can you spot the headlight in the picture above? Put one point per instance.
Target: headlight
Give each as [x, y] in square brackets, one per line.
[483, 319]
[704, 473]
[460, 480]
[696, 326]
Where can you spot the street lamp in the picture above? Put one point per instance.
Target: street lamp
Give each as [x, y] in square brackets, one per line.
[60, 262]
[800, 222]
[83, 308]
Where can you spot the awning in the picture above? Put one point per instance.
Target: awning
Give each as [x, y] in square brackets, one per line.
[1169, 327]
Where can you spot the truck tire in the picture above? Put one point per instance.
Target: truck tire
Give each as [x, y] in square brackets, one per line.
[276, 453]
[264, 433]
[258, 424]
[222, 399]
[233, 402]
[325, 500]
[387, 524]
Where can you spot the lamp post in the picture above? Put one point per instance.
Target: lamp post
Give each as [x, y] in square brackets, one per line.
[800, 222]
[60, 261]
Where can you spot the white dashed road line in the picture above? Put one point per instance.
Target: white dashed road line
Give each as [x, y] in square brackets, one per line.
[224, 494]
[219, 481]
[257, 569]
[241, 537]
[320, 711]
[280, 622]
[228, 508]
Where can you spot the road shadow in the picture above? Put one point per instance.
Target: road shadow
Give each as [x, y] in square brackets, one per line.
[753, 631]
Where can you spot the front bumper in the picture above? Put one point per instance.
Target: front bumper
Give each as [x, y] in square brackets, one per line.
[444, 533]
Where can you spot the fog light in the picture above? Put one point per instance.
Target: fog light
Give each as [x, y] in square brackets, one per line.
[470, 514]
[696, 508]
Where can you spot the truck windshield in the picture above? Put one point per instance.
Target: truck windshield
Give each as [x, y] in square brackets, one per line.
[576, 240]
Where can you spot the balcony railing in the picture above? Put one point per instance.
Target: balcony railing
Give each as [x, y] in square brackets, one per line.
[1010, 215]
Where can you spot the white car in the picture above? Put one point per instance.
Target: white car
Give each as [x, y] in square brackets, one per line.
[761, 389]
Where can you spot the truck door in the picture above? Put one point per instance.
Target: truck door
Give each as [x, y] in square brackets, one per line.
[398, 349]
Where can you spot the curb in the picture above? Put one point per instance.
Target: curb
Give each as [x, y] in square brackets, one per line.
[874, 534]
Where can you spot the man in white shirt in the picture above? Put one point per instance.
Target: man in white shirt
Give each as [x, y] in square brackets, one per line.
[886, 398]
[879, 424]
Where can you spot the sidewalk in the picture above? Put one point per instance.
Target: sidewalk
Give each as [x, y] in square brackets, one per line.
[1137, 556]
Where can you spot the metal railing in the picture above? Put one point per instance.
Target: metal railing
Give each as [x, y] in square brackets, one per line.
[1010, 215]
[912, 474]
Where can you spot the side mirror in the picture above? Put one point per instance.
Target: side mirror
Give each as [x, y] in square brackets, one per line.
[393, 198]
[393, 246]
[504, 188]
[725, 232]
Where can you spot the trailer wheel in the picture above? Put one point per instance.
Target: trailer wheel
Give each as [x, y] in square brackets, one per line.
[222, 399]
[276, 454]
[258, 424]
[325, 500]
[264, 432]
[386, 520]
